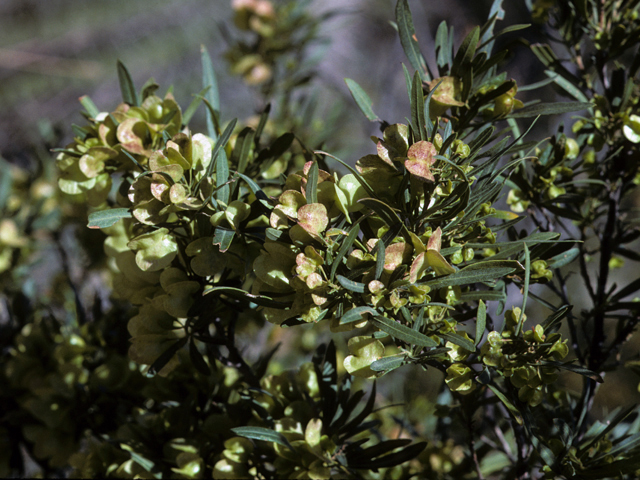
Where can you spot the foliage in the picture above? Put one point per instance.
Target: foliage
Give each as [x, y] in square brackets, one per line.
[403, 255]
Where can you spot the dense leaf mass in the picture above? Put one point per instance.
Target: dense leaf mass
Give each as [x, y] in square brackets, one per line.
[406, 256]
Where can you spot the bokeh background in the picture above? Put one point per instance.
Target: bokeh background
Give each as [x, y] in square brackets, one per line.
[53, 52]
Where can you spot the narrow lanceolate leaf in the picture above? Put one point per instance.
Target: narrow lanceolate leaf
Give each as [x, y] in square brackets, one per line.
[222, 176]
[212, 96]
[563, 258]
[106, 218]
[264, 434]
[312, 184]
[484, 295]
[355, 314]
[402, 332]
[458, 340]
[483, 272]
[127, 88]
[497, 11]
[232, 292]
[465, 53]
[553, 319]
[89, 106]
[481, 321]
[370, 461]
[352, 170]
[351, 285]
[549, 109]
[387, 364]
[417, 109]
[362, 99]
[193, 106]
[514, 411]
[527, 276]
[576, 369]
[443, 49]
[380, 258]
[242, 148]
[409, 41]
[218, 150]
[346, 246]
[567, 86]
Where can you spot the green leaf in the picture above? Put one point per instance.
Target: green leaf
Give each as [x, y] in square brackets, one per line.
[478, 272]
[495, 13]
[551, 321]
[611, 423]
[193, 106]
[362, 99]
[417, 109]
[380, 257]
[509, 29]
[277, 148]
[312, 184]
[346, 246]
[222, 191]
[575, 369]
[145, 463]
[106, 218]
[409, 41]
[221, 143]
[89, 106]
[458, 340]
[223, 238]
[355, 314]
[241, 149]
[352, 427]
[240, 294]
[355, 173]
[387, 364]
[402, 332]
[481, 322]
[563, 258]
[427, 116]
[407, 80]
[351, 285]
[514, 411]
[212, 96]
[549, 109]
[264, 434]
[443, 48]
[485, 295]
[374, 458]
[527, 277]
[567, 86]
[128, 90]
[633, 287]
[261, 124]
[465, 53]
[255, 188]
[534, 86]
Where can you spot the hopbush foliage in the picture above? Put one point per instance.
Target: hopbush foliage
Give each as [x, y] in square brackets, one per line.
[407, 255]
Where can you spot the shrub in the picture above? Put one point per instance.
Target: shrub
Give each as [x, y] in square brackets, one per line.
[409, 257]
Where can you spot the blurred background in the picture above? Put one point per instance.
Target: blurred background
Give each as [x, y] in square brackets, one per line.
[53, 52]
